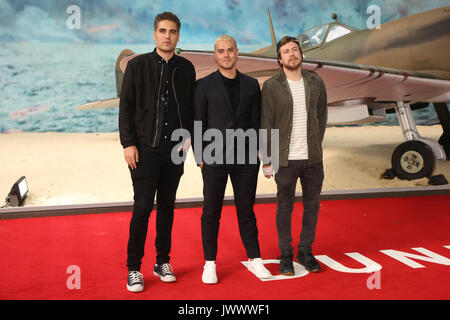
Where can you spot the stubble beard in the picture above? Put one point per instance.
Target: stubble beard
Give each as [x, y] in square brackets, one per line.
[167, 48]
[227, 66]
[293, 67]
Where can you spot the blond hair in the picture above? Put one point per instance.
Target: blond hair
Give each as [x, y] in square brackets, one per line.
[223, 38]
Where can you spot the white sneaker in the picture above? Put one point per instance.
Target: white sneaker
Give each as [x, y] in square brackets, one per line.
[209, 275]
[135, 281]
[257, 267]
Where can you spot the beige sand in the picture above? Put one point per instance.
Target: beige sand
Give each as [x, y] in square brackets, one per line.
[83, 168]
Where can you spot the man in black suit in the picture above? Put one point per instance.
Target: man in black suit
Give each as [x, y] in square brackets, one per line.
[227, 103]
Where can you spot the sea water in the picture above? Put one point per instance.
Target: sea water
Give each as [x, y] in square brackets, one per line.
[42, 84]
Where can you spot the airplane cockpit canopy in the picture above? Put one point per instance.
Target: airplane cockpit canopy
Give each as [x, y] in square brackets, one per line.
[322, 34]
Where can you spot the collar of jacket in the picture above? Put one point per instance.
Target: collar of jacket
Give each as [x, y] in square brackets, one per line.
[155, 56]
[281, 77]
[219, 75]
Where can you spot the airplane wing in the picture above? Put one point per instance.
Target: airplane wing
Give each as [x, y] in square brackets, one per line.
[100, 104]
[344, 81]
[356, 93]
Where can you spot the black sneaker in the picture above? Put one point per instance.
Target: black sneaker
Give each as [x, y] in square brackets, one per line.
[306, 258]
[286, 265]
[135, 281]
[164, 272]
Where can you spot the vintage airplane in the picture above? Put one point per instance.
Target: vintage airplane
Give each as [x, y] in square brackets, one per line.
[366, 72]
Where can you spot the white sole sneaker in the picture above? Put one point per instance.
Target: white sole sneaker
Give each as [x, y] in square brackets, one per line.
[165, 278]
[135, 288]
[257, 267]
[135, 282]
[164, 272]
[209, 275]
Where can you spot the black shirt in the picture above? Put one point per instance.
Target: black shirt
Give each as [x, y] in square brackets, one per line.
[233, 89]
[232, 86]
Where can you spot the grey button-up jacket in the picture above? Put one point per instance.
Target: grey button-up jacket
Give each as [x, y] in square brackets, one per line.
[277, 111]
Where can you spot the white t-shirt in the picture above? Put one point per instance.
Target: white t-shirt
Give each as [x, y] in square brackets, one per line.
[298, 146]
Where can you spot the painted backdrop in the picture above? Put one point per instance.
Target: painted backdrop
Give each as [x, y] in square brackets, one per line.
[56, 55]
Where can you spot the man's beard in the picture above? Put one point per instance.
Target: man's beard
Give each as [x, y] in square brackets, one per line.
[293, 67]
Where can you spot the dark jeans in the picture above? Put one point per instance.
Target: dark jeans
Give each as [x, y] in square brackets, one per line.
[244, 178]
[311, 177]
[155, 173]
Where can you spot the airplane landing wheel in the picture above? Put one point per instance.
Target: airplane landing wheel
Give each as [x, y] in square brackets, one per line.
[413, 160]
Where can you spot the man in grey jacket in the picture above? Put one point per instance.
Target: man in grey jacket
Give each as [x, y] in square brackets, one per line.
[294, 101]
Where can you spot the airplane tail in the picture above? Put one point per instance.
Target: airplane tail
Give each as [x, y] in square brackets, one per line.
[119, 73]
[112, 102]
[272, 32]
[269, 51]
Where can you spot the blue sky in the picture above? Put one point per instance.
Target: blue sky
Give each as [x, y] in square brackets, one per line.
[117, 21]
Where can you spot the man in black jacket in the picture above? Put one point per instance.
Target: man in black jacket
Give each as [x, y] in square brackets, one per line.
[155, 100]
[228, 101]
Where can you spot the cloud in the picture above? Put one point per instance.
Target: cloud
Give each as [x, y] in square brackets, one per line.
[33, 23]
[202, 20]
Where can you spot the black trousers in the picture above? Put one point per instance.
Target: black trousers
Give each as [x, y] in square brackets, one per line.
[155, 173]
[244, 178]
[311, 177]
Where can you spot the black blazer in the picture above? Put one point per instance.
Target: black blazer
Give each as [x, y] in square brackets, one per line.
[212, 106]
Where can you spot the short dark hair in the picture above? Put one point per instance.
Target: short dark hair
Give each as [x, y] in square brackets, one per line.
[167, 16]
[286, 40]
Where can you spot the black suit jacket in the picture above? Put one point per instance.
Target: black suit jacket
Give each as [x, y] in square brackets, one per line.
[212, 106]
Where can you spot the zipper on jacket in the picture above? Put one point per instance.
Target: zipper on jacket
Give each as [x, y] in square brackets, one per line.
[176, 99]
[157, 107]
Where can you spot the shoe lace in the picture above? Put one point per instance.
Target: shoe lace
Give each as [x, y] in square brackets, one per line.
[135, 277]
[166, 269]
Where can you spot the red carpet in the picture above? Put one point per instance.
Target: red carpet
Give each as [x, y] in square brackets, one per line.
[37, 254]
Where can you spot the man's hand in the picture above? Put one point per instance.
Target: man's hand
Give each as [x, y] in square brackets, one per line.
[131, 156]
[200, 165]
[267, 170]
[185, 146]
